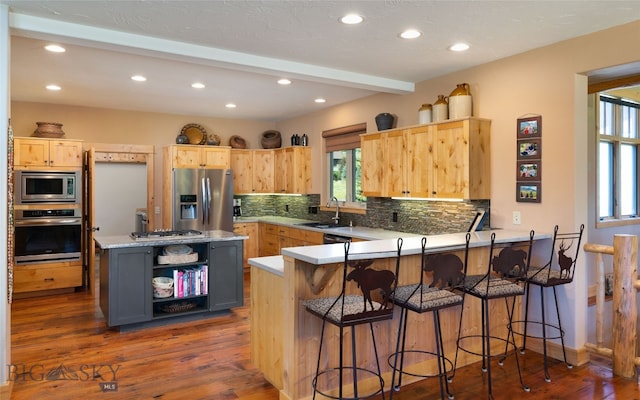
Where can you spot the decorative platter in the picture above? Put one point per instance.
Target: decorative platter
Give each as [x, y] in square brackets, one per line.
[195, 133]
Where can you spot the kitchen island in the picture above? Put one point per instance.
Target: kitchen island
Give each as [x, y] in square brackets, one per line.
[285, 338]
[207, 277]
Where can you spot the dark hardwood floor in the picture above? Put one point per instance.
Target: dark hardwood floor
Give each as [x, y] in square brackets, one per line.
[62, 349]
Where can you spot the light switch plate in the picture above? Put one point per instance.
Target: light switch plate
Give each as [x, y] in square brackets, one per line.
[516, 218]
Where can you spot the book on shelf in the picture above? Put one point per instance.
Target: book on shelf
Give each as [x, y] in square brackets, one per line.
[190, 281]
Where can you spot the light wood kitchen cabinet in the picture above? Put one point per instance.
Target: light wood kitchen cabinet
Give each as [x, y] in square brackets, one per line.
[372, 164]
[253, 171]
[199, 156]
[442, 160]
[274, 238]
[293, 166]
[47, 277]
[40, 153]
[250, 245]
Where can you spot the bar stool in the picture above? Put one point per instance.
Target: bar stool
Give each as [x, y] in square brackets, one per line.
[554, 273]
[448, 273]
[351, 310]
[502, 280]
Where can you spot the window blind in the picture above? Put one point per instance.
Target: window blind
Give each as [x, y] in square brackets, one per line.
[345, 138]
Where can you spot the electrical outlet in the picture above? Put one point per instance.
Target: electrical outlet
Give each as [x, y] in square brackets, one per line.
[516, 218]
[286, 207]
[395, 217]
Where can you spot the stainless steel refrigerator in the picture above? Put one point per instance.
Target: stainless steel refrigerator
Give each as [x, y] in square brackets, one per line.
[203, 199]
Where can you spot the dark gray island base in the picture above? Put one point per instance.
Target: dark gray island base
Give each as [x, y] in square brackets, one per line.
[207, 284]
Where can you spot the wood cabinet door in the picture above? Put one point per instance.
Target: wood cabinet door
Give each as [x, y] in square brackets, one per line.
[186, 156]
[420, 161]
[65, 154]
[30, 152]
[395, 164]
[452, 158]
[263, 171]
[299, 170]
[283, 158]
[213, 157]
[242, 167]
[372, 164]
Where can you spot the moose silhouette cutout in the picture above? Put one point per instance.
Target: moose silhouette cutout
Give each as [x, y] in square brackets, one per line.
[510, 262]
[446, 268]
[369, 279]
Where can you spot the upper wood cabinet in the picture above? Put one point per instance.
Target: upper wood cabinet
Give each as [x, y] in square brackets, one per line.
[293, 170]
[31, 153]
[443, 160]
[253, 171]
[199, 156]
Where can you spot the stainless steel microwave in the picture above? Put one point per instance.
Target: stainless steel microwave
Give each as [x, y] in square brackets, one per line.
[47, 187]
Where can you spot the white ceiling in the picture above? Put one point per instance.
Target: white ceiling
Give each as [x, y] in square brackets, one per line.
[239, 48]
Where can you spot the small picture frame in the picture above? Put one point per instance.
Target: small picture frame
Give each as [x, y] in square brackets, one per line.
[529, 171]
[529, 149]
[528, 192]
[530, 127]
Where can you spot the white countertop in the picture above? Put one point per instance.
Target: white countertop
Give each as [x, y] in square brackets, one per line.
[386, 248]
[116, 241]
[273, 264]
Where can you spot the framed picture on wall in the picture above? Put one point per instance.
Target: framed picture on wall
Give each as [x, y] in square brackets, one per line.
[529, 149]
[529, 171]
[528, 192]
[530, 127]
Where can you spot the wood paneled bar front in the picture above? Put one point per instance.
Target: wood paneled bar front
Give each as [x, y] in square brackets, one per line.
[291, 334]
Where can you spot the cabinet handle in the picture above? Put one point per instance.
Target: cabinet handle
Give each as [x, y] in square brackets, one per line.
[49, 279]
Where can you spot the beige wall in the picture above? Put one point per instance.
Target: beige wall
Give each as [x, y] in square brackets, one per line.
[96, 125]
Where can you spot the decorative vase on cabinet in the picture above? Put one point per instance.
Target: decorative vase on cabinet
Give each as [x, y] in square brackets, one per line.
[460, 102]
[385, 121]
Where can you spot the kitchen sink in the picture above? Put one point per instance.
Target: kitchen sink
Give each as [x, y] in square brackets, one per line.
[320, 225]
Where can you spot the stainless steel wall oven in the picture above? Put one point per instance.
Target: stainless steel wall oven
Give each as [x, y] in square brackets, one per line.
[48, 234]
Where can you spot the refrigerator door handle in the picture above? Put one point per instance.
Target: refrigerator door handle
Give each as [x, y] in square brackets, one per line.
[209, 201]
[203, 201]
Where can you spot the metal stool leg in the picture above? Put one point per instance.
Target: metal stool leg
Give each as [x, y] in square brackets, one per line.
[564, 353]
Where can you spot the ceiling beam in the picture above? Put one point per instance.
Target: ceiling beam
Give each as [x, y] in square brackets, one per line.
[48, 29]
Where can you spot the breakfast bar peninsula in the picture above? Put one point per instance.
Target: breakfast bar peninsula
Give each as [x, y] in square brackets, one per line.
[285, 337]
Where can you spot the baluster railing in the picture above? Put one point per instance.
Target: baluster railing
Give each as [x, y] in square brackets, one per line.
[625, 314]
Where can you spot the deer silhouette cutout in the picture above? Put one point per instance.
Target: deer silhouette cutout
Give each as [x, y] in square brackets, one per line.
[510, 262]
[446, 268]
[369, 279]
[564, 261]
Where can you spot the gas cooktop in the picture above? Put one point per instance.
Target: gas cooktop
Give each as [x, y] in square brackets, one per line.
[162, 234]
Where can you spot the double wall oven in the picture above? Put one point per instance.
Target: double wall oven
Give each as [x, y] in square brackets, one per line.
[48, 216]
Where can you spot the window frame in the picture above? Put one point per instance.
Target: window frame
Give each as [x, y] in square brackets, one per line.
[345, 139]
[617, 140]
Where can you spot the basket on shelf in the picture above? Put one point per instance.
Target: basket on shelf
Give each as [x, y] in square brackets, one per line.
[178, 307]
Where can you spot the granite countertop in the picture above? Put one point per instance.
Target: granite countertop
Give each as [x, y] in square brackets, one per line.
[359, 232]
[118, 241]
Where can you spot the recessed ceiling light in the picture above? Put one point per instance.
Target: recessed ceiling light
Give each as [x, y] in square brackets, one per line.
[197, 85]
[138, 78]
[352, 19]
[411, 34]
[53, 88]
[320, 100]
[459, 47]
[284, 81]
[54, 48]
[230, 105]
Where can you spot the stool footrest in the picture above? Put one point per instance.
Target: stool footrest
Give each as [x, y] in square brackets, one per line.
[448, 364]
[480, 337]
[347, 369]
[559, 333]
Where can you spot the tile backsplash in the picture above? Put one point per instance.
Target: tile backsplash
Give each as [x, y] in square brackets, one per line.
[412, 216]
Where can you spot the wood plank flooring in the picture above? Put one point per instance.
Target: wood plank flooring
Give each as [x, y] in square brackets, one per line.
[62, 349]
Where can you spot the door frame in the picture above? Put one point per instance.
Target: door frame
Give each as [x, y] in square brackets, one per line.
[110, 153]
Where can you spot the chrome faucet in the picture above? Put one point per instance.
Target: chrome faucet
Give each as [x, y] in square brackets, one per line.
[337, 217]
